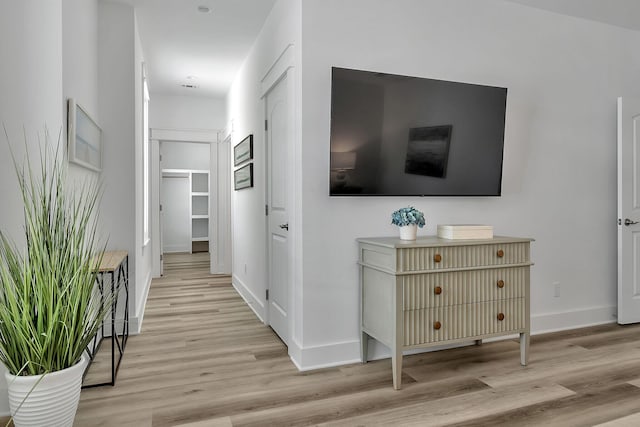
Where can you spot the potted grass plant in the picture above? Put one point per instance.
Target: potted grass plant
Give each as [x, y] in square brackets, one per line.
[50, 309]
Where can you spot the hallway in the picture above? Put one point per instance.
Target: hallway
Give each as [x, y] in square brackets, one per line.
[199, 343]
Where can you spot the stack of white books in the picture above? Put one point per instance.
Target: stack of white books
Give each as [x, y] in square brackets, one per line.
[465, 231]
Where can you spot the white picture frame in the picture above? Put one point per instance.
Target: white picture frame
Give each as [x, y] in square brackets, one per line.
[84, 138]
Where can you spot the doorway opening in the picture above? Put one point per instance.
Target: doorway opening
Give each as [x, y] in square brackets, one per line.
[190, 186]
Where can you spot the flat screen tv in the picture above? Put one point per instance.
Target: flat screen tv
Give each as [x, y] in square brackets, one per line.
[396, 135]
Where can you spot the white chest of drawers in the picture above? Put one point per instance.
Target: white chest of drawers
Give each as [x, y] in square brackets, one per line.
[432, 291]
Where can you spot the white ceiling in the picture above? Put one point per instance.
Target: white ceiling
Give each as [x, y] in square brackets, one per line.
[621, 13]
[178, 41]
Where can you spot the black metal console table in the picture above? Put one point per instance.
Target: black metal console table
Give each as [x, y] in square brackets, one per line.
[114, 272]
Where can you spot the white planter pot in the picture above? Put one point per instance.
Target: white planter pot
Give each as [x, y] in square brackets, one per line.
[408, 232]
[52, 402]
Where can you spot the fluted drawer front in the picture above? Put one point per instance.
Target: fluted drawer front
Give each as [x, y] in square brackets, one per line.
[436, 258]
[485, 318]
[463, 287]
[420, 325]
[429, 325]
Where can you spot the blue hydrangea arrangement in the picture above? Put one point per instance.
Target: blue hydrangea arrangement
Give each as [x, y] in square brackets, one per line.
[408, 216]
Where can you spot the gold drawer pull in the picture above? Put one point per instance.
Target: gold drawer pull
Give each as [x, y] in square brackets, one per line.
[500, 253]
[501, 316]
[437, 290]
[437, 325]
[500, 283]
[437, 257]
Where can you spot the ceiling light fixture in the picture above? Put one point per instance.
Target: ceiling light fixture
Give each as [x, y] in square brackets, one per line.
[204, 9]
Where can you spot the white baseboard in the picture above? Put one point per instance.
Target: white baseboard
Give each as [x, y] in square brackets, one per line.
[574, 319]
[176, 248]
[343, 353]
[249, 297]
[135, 324]
[295, 353]
[326, 356]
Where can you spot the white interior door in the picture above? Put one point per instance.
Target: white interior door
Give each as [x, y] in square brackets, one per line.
[628, 210]
[277, 137]
[176, 221]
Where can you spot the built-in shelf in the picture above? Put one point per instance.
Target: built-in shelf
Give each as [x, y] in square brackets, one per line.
[199, 209]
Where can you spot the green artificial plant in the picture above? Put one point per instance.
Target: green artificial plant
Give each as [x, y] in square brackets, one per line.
[50, 309]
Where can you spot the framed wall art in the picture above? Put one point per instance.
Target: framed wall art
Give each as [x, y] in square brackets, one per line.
[243, 151]
[243, 177]
[84, 138]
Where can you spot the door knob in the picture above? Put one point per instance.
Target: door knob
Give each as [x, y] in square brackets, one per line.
[628, 222]
[284, 226]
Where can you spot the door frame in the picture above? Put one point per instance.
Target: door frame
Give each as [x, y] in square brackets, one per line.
[220, 253]
[283, 67]
[627, 209]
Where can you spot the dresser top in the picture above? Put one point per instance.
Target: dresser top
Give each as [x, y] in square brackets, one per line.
[432, 241]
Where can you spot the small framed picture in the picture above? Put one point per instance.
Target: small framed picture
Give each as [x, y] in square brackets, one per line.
[243, 177]
[84, 138]
[243, 151]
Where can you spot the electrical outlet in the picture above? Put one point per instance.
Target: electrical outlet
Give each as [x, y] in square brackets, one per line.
[556, 289]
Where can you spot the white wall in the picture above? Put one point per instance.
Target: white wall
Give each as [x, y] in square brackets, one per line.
[559, 180]
[143, 254]
[80, 74]
[120, 90]
[30, 42]
[245, 110]
[185, 155]
[185, 112]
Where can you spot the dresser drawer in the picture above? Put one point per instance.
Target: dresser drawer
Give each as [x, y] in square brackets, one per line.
[498, 316]
[431, 325]
[463, 287]
[449, 257]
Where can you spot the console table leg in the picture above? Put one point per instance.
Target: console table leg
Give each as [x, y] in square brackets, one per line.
[396, 365]
[364, 347]
[524, 348]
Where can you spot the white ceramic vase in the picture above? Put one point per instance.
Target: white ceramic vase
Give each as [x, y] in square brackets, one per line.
[408, 232]
[51, 402]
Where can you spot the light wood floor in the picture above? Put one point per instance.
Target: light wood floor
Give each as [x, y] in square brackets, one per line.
[204, 359]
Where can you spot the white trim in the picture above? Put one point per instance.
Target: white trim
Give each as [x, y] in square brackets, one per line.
[218, 223]
[185, 135]
[283, 68]
[255, 303]
[574, 319]
[295, 353]
[135, 322]
[155, 179]
[277, 70]
[343, 353]
[326, 356]
[177, 249]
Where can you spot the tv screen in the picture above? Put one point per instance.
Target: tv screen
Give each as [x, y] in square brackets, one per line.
[396, 135]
